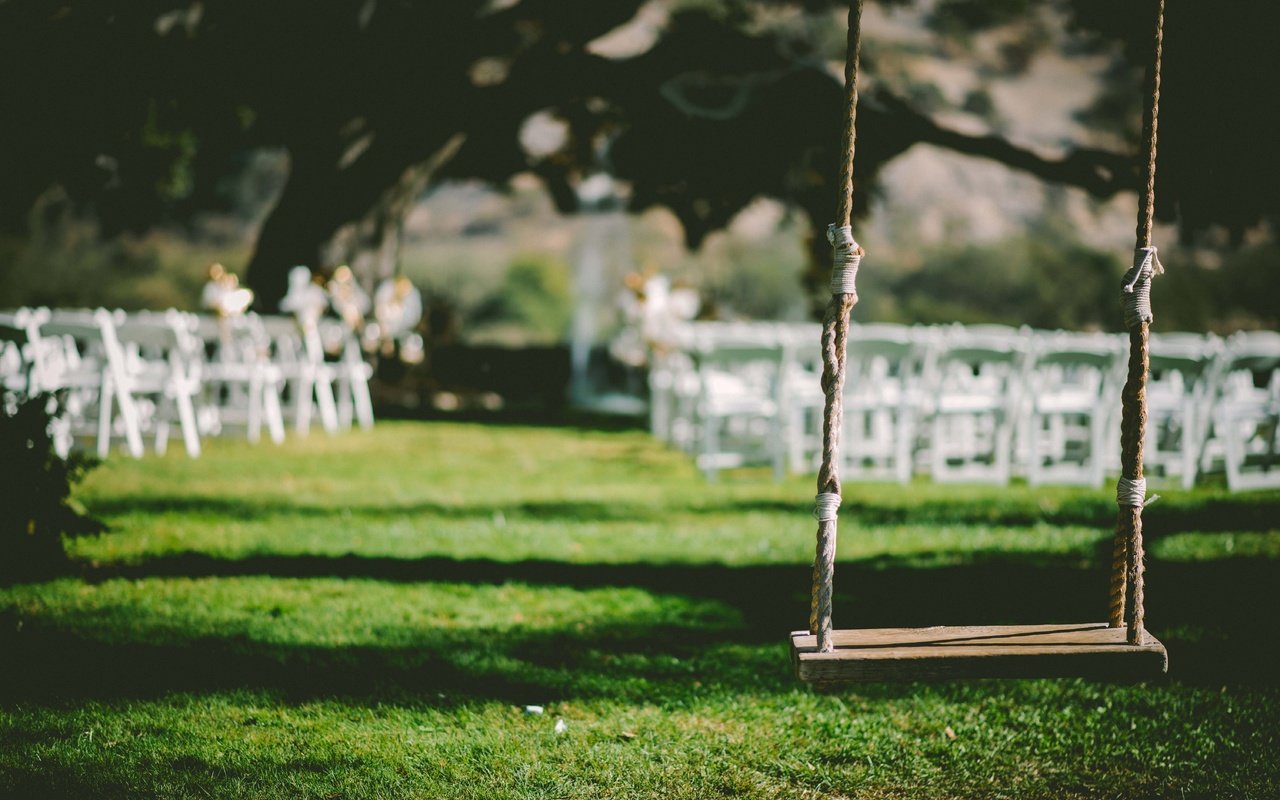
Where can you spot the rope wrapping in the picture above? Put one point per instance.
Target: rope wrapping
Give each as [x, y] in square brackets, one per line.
[827, 506]
[1133, 494]
[846, 256]
[1135, 288]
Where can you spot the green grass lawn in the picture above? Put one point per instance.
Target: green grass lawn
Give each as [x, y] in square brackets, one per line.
[367, 616]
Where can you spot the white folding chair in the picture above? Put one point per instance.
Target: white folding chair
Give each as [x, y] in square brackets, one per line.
[1179, 396]
[87, 362]
[299, 355]
[15, 367]
[161, 364]
[242, 385]
[1248, 410]
[882, 400]
[738, 409]
[352, 374]
[802, 396]
[673, 387]
[978, 397]
[1073, 388]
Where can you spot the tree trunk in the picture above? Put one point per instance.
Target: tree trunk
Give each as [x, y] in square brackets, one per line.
[304, 218]
[321, 200]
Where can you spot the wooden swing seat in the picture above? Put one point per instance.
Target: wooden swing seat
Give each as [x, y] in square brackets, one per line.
[1092, 650]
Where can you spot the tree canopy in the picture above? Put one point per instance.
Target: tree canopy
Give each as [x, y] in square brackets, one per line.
[137, 110]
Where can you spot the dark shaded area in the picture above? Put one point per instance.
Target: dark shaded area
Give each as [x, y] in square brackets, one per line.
[138, 110]
[36, 510]
[1260, 513]
[535, 378]
[1196, 609]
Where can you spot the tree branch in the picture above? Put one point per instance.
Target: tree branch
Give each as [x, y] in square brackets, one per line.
[1101, 173]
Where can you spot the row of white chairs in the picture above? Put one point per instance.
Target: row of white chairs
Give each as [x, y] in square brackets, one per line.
[125, 377]
[975, 403]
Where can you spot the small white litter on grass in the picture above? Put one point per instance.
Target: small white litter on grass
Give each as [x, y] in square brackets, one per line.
[561, 726]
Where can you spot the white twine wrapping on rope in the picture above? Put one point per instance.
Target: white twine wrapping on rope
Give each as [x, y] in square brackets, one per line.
[827, 507]
[1135, 290]
[845, 259]
[1133, 493]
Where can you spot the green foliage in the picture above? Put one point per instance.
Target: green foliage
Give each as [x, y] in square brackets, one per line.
[62, 262]
[535, 299]
[173, 154]
[36, 483]
[1049, 279]
[1045, 281]
[962, 17]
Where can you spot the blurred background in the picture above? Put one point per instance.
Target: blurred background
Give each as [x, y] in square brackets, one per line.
[517, 160]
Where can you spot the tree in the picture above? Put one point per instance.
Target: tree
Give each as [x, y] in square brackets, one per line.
[136, 108]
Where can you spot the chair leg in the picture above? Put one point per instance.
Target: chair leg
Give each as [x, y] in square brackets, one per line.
[345, 392]
[162, 414]
[1035, 462]
[132, 427]
[187, 418]
[1003, 440]
[710, 447]
[1190, 447]
[105, 400]
[328, 408]
[364, 401]
[273, 412]
[902, 458]
[254, 432]
[302, 398]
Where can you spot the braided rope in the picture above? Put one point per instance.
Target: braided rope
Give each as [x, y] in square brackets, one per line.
[1127, 579]
[835, 334]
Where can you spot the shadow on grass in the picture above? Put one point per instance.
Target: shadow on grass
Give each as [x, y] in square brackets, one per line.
[1207, 613]
[1185, 514]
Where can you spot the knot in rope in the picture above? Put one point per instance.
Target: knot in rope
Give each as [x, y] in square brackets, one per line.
[845, 259]
[828, 504]
[1133, 493]
[1135, 290]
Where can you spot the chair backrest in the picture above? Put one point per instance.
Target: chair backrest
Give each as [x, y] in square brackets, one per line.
[978, 346]
[79, 336]
[15, 367]
[1187, 358]
[161, 341]
[152, 336]
[1067, 349]
[1255, 351]
[1250, 365]
[985, 363]
[879, 355]
[284, 335]
[752, 367]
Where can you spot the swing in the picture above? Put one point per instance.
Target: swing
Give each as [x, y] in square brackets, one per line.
[1119, 648]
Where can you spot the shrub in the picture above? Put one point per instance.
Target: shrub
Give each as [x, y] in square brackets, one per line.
[36, 482]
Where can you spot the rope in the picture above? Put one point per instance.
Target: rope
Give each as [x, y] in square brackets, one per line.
[835, 335]
[1127, 580]
[828, 506]
[1135, 289]
[846, 256]
[1133, 494]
